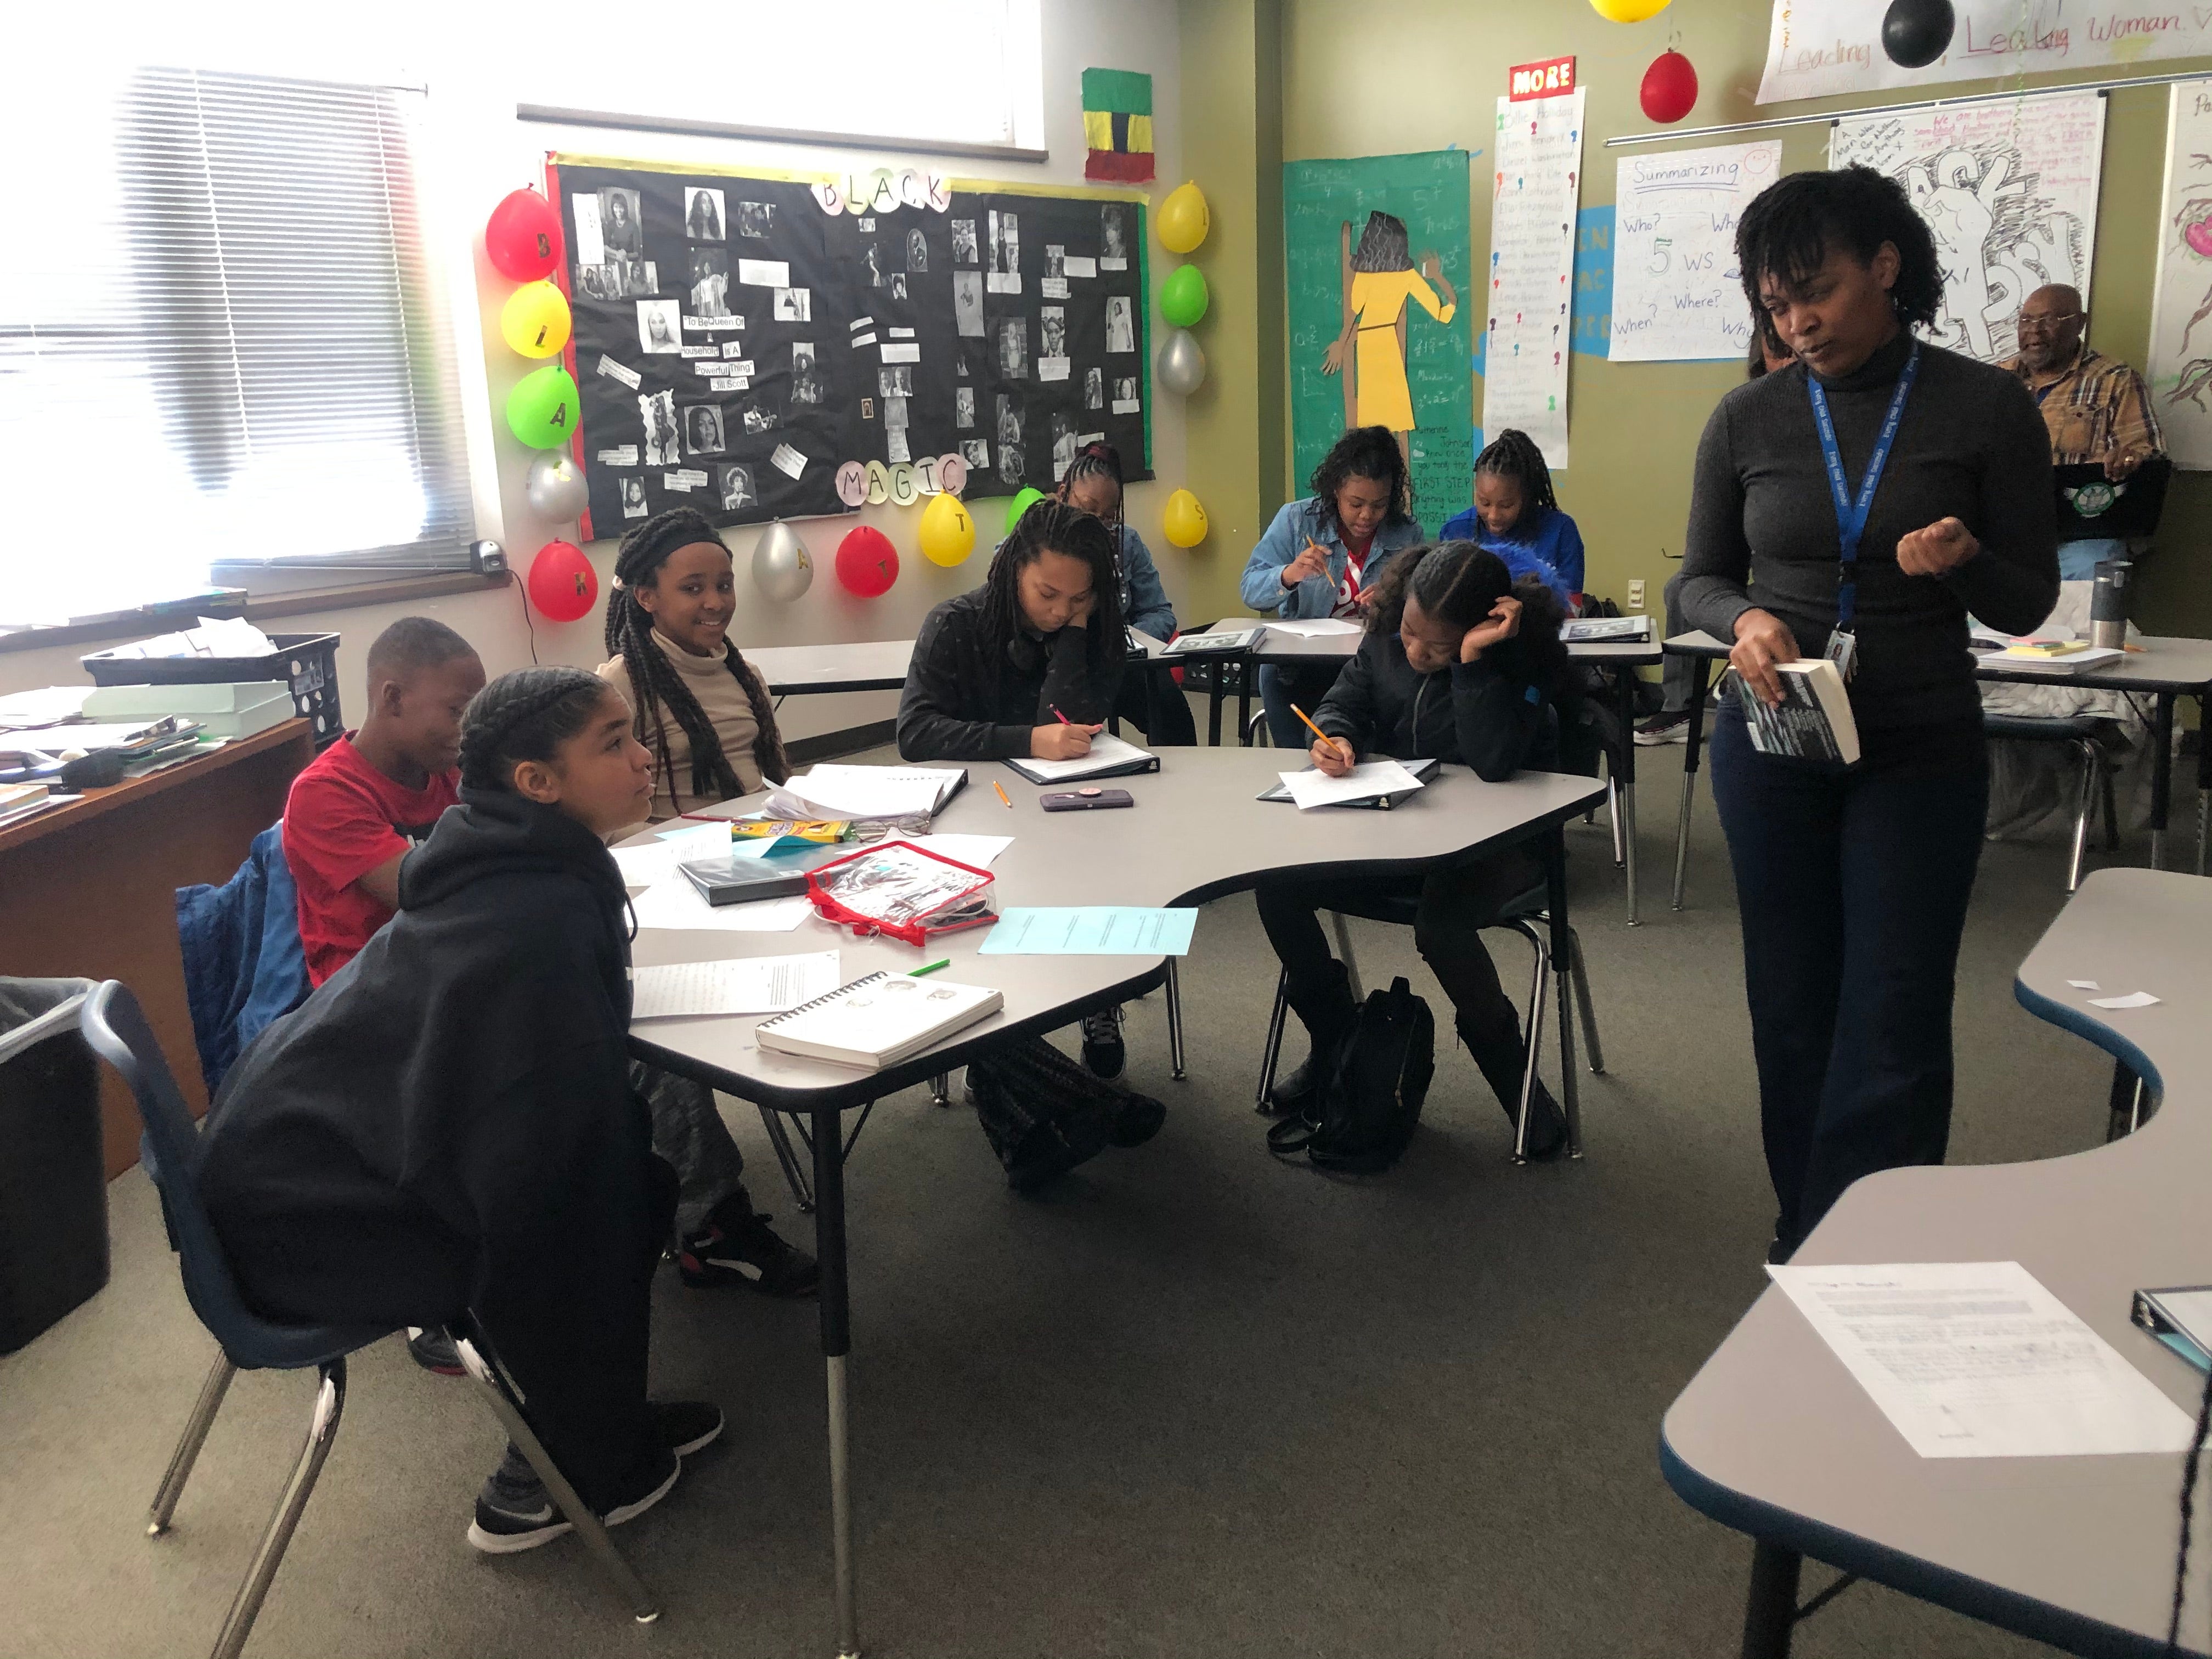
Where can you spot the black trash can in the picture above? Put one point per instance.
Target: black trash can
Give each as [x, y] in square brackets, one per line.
[53, 1188]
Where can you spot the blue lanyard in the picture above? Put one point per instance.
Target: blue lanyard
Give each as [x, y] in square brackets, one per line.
[1851, 515]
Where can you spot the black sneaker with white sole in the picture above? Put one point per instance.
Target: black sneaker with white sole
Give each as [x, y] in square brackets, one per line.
[434, 1351]
[744, 1251]
[1103, 1053]
[514, 1512]
[1670, 728]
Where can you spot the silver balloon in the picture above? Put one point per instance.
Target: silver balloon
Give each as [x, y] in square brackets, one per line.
[557, 487]
[1181, 365]
[782, 567]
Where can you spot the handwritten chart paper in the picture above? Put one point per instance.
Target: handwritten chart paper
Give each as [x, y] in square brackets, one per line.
[1676, 292]
[2180, 369]
[2009, 192]
[1531, 272]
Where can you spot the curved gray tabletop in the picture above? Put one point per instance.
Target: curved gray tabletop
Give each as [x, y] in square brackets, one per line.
[1196, 832]
[1775, 1438]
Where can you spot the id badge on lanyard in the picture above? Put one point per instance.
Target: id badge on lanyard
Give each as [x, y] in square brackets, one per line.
[1852, 510]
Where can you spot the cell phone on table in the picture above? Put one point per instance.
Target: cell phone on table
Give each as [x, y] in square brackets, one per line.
[1084, 800]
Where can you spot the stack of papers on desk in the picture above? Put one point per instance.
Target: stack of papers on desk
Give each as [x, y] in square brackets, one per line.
[747, 985]
[23, 711]
[867, 792]
[1365, 782]
[1109, 757]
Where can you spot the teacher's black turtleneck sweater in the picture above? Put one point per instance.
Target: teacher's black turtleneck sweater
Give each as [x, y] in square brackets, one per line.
[1762, 527]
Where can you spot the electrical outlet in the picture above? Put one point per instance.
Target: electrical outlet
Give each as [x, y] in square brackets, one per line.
[1636, 594]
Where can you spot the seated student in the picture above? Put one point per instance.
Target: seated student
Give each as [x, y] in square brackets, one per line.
[1458, 664]
[1094, 483]
[447, 1125]
[1322, 554]
[994, 672]
[1515, 517]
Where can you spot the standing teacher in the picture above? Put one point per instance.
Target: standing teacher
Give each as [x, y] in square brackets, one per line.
[1859, 503]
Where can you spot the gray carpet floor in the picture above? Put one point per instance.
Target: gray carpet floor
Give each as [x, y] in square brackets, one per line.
[1194, 1401]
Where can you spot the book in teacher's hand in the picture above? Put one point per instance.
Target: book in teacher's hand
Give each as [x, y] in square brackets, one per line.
[1813, 720]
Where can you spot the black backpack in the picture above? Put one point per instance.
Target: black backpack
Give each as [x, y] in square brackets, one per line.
[1373, 1101]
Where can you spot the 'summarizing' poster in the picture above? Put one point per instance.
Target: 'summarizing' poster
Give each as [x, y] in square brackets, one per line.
[742, 350]
[1677, 293]
[2180, 371]
[2009, 192]
[1535, 181]
[1376, 273]
[1818, 48]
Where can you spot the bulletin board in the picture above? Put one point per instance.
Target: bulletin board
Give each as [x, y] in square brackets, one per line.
[741, 348]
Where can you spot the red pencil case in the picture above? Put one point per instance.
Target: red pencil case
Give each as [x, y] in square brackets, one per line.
[903, 892]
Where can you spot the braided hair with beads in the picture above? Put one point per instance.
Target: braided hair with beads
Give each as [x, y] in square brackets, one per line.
[1052, 525]
[661, 692]
[524, 716]
[1513, 454]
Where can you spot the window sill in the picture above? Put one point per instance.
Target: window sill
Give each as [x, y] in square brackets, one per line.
[272, 607]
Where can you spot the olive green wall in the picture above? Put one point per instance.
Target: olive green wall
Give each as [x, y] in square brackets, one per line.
[1377, 78]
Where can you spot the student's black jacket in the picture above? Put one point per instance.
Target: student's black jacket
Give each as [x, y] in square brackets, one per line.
[1473, 715]
[448, 1121]
[967, 699]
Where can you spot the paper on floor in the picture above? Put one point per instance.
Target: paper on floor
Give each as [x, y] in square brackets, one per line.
[745, 985]
[672, 902]
[1364, 783]
[1977, 1359]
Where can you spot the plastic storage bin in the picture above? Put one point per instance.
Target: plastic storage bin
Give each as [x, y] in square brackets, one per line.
[53, 1189]
[308, 663]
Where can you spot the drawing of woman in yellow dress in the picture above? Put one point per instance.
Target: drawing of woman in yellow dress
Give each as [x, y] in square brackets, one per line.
[1379, 278]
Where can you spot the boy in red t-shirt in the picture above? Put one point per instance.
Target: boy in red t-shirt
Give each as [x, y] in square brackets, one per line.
[370, 797]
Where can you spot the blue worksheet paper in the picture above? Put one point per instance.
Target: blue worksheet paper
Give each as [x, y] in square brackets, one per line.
[1094, 930]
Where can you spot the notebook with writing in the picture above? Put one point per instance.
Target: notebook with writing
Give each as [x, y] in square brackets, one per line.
[1426, 770]
[877, 1021]
[1109, 757]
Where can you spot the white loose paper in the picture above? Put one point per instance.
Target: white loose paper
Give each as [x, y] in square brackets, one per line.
[620, 455]
[614, 371]
[1977, 1359]
[1364, 783]
[765, 273]
[743, 985]
[2085, 985]
[900, 333]
[976, 850]
[787, 460]
[1073, 266]
[1676, 295]
[2132, 999]
[859, 340]
[674, 904]
[1535, 187]
[903, 354]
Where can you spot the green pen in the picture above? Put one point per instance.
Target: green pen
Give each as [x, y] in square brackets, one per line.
[916, 973]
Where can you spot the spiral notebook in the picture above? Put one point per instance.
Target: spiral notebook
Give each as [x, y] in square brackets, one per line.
[877, 1021]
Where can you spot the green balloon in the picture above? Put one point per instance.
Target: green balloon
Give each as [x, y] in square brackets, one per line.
[541, 410]
[1183, 296]
[1021, 504]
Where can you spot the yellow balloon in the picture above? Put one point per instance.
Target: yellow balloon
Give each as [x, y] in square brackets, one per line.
[1628, 11]
[1185, 519]
[535, 319]
[1184, 220]
[948, 529]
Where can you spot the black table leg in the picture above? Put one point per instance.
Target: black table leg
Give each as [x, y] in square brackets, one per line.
[1563, 983]
[836, 1344]
[2161, 775]
[1624, 791]
[1701, 683]
[1247, 673]
[1213, 671]
[2203, 778]
[1769, 1610]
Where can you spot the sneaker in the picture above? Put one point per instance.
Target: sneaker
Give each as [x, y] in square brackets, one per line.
[514, 1512]
[1103, 1053]
[746, 1252]
[1297, 1095]
[434, 1351]
[1547, 1135]
[1136, 1120]
[687, 1425]
[1664, 728]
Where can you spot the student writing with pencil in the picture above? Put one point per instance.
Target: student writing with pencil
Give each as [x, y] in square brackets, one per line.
[1458, 664]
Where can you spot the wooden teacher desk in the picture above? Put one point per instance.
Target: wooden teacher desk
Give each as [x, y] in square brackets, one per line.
[90, 890]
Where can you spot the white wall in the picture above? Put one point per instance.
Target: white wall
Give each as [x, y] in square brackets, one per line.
[475, 151]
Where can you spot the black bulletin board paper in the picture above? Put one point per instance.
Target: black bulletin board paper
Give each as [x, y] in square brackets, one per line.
[731, 339]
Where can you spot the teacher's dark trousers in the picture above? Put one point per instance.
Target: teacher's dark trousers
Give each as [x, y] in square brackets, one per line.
[1853, 888]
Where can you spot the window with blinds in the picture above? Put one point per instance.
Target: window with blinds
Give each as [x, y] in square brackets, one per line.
[223, 343]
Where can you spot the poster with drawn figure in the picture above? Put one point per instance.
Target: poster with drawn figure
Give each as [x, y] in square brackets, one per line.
[1677, 293]
[1382, 314]
[1820, 48]
[2009, 190]
[2179, 365]
[1535, 184]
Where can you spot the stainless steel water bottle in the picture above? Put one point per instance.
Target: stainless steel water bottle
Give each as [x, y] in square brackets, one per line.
[2108, 604]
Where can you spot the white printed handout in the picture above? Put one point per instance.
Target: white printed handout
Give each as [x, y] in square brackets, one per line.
[2009, 190]
[1676, 292]
[1534, 186]
[743, 985]
[1977, 1359]
[673, 904]
[1362, 782]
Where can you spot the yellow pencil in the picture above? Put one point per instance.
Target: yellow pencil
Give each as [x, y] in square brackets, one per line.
[1003, 801]
[1334, 743]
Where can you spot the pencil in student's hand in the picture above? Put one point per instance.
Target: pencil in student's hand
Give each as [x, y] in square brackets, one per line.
[1001, 788]
[1334, 743]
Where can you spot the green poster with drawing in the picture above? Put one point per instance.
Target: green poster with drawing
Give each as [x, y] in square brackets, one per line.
[1377, 269]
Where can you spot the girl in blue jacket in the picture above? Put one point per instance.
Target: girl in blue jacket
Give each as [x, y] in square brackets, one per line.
[1515, 516]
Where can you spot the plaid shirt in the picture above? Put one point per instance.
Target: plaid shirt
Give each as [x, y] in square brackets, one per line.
[2097, 407]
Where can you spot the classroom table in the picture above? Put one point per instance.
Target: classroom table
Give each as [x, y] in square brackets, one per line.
[1619, 660]
[2168, 667]
[89, 890]
[1774, 1438]
[1197, 832]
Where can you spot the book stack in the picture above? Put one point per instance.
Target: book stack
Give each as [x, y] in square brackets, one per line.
[19, 801]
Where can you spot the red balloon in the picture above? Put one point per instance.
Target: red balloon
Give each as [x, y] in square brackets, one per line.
[523, 237]
[563, 584]
[1670, 88]
[867, 564]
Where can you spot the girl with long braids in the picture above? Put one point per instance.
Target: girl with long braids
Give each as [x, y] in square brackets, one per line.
[700, 710]
[1321, 555]
[1460, 663]
[1093, 484]
[447, 1127]
[994, 672]
[1516, 516]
